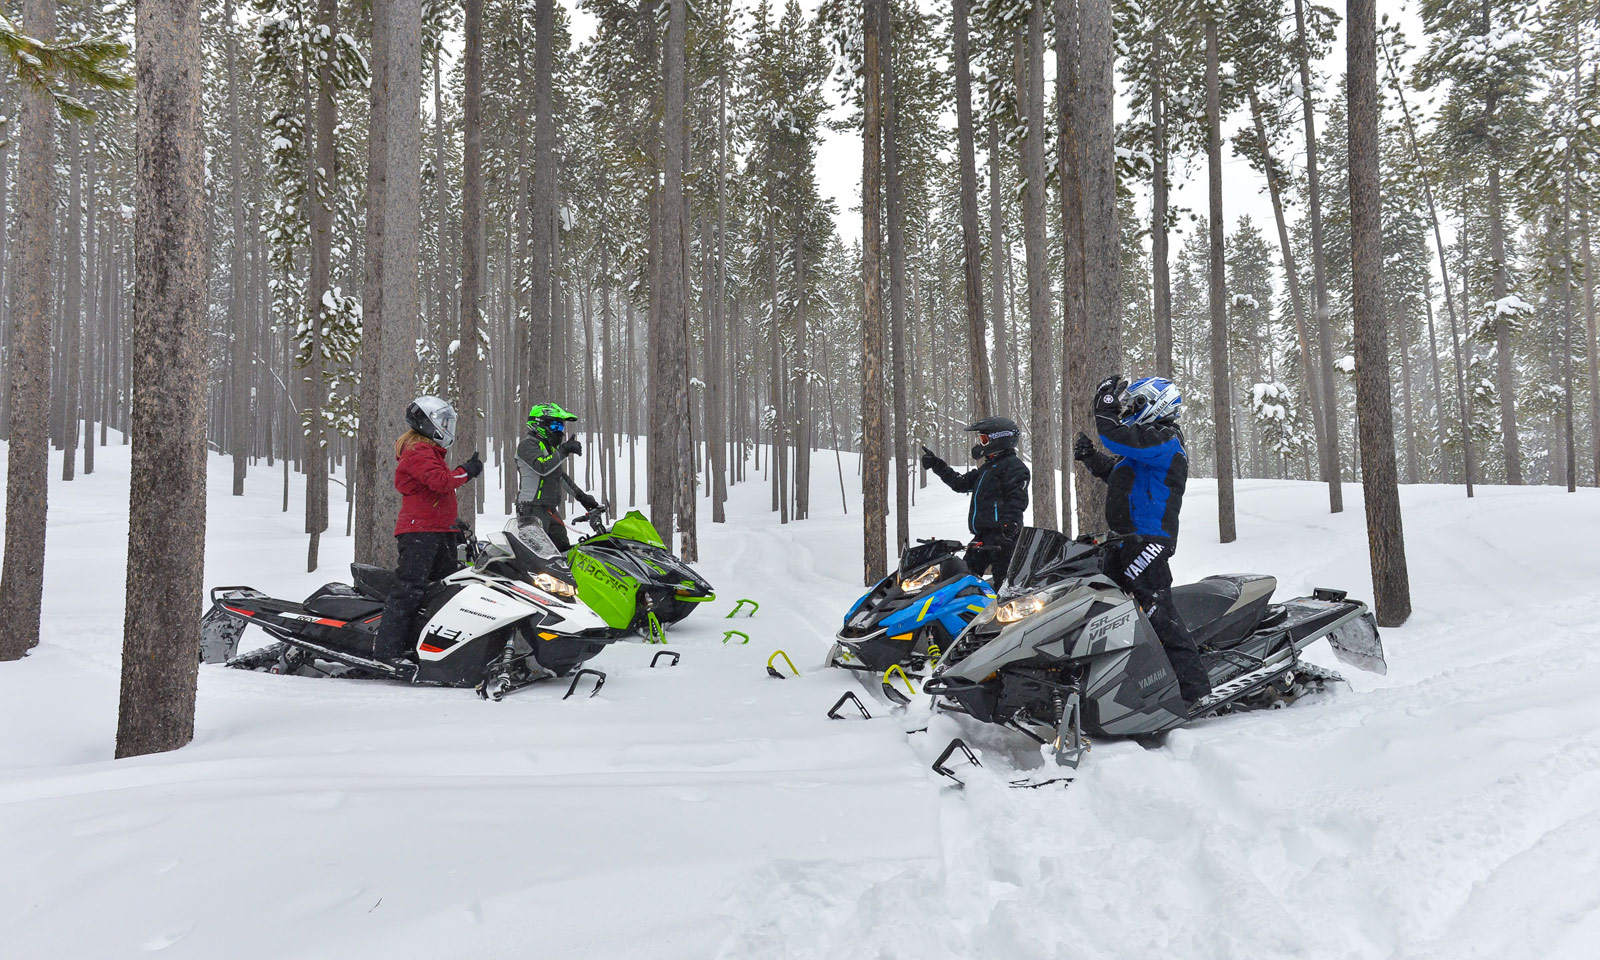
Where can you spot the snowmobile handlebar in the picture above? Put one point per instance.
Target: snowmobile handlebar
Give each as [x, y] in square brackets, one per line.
[594, 518]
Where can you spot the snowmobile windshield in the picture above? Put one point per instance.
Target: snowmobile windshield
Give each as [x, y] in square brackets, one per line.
[919, 556]
[532, 537]
[1044, 557]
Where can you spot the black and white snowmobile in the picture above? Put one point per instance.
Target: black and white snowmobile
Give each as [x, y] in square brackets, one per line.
[492, 625]
[1065, 655]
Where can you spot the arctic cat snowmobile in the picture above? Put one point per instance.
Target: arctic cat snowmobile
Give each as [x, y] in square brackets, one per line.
[485, 626]
[911, 615]
[1065, 654]
[629, 577]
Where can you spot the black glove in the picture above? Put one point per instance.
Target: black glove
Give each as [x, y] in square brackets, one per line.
[1105, 397]
[574, 447]
[1009, 532]
[930, 460]
[1083, 447]
[473, 466]
[589, 503]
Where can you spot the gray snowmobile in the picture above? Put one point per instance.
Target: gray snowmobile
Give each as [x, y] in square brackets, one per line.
[1065, 655]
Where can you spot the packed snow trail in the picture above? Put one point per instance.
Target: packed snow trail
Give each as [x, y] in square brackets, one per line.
[1450, 809]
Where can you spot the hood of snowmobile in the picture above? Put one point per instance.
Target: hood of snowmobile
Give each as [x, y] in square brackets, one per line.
[556, 614]
[1069, 620]
[951, 603]
[645, 563]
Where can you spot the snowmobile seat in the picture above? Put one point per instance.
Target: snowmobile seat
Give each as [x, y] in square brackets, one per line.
[338, 601]
[1221, 611]
[374, 583]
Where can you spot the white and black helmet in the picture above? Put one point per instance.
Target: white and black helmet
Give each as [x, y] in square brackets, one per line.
[433, 418]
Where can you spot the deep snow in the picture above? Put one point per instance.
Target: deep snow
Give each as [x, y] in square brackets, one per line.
[1450, 809]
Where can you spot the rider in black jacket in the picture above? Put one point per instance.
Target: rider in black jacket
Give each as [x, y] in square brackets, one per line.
[999, 488]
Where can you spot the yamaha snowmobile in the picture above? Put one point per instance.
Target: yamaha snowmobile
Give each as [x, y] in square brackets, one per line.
[485, 626]
[1065, 655]
[911, 615]
[626, 574]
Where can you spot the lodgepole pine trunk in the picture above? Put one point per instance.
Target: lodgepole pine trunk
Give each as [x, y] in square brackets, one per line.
[874, 479]
[28, 363]
[372, 528]
[1221, 379]
[1102, 290]
[241, 364]
[1330, 405]
[1374, 413]
[999, 257]
[982, 401]
[1042, 376]
[468, 365]
[167, 500]
[895, 195]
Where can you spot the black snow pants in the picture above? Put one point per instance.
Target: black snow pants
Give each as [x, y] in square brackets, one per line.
[424, 558]
[990, 556]
[1141, 569]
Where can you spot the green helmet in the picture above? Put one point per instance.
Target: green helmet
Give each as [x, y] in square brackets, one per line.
[545, 418]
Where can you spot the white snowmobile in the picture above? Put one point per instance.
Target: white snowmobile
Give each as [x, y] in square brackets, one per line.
[504, 621]
[1064, 654]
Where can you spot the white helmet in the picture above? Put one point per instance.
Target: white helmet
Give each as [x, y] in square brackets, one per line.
[1151, 400]
[433, 418]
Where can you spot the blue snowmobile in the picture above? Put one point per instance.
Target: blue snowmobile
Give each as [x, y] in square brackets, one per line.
[909, 617]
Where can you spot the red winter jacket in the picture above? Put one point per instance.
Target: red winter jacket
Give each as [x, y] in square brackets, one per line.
[427, 490]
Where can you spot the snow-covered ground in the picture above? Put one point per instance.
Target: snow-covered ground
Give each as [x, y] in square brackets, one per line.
[1450, 809]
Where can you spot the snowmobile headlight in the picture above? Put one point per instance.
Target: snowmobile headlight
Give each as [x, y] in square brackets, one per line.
[555, 585]
[912, 585]
[1021, 608]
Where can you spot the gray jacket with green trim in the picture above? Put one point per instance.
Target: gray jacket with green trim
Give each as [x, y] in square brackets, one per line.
[542, 476]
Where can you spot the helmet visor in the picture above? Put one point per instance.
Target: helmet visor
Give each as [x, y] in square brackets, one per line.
[444, 421]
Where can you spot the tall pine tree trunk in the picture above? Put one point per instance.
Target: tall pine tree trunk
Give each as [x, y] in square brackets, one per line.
[167, 501]
[1505, 363]
[1594, 345]
[895, 194]
[1042, 378]
[72, 312]
[468, 366]
[402, 222]
[28, 363]
[1374, 416]
[982, 402]
[874, 479]
[320, 283]
[1221, 379]
[241, 364]
[1101, 243]
[373, 529]
[1331, 470]
[668, 351]
[539, 337]
[999, 257]
[1160, 264]
[1075, 366]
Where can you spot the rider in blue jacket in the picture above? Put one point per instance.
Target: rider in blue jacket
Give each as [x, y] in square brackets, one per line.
[1145, 472]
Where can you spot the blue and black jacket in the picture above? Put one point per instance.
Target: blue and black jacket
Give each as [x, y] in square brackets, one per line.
[1145, 473]
[999, 488]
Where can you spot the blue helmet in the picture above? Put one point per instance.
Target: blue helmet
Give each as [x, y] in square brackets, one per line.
[1151, 400]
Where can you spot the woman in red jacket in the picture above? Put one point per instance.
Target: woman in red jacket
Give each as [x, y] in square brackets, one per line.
[426, 527]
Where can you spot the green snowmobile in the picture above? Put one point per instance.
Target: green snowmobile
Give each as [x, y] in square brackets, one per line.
[628, 576]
